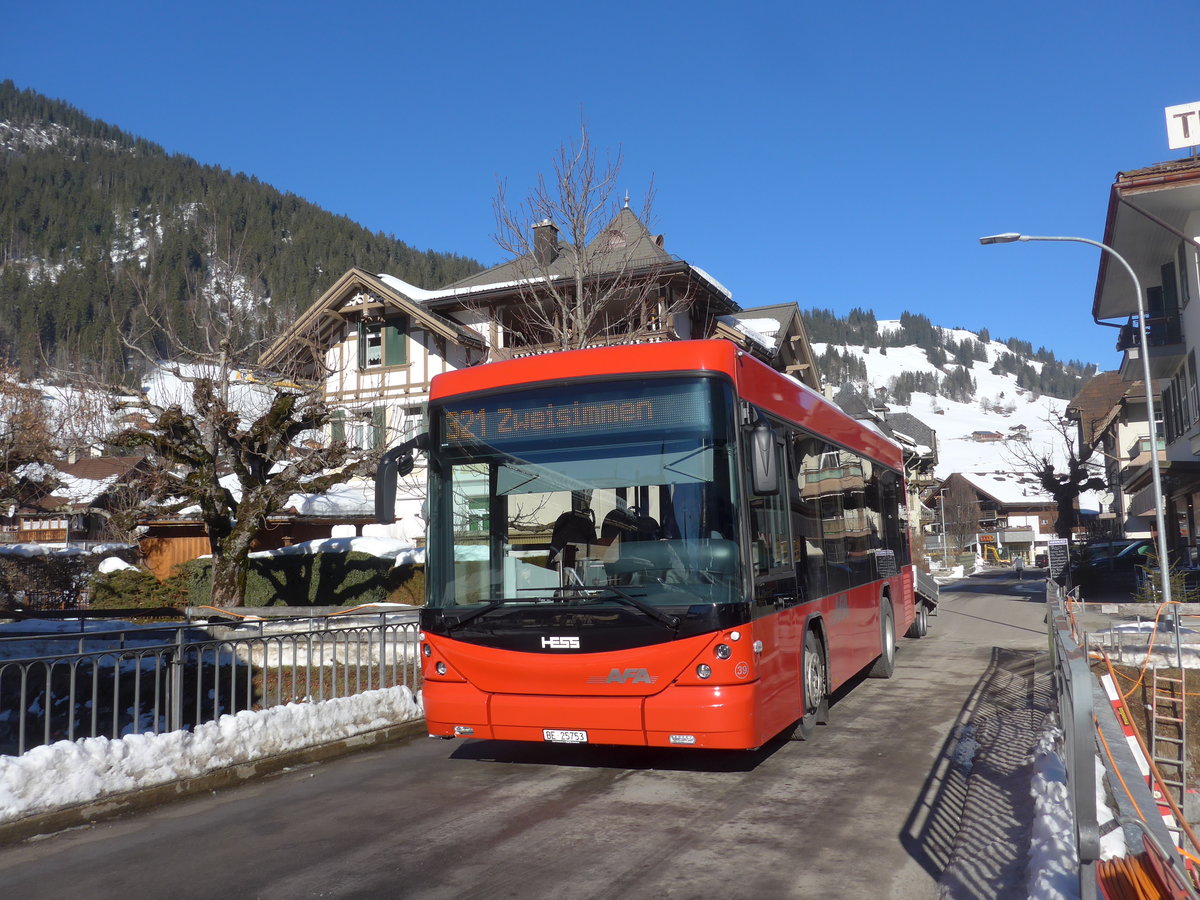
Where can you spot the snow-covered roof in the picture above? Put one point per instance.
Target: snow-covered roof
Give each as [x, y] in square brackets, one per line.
[767, 343]
[1008, 488]
[720, 287]
[353, 499]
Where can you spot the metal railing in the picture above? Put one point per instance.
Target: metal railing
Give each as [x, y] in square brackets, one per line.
[1073, 686]
[57, 685]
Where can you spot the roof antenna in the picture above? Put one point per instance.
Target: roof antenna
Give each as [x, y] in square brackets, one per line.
[627, 198]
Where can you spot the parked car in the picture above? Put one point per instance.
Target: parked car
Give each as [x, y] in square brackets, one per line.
[1094, 568]
[1041, 560]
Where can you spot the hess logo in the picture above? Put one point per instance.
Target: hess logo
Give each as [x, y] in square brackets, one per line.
[560, 643]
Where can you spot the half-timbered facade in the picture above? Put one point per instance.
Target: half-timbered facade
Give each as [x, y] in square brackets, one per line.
[375, 342]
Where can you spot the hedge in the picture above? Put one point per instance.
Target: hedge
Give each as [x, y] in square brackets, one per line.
[322, 579]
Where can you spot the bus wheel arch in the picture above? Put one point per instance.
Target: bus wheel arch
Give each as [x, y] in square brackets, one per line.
[885, 665]
[814, 685]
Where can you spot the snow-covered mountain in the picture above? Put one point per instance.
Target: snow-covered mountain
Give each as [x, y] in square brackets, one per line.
[965, 428]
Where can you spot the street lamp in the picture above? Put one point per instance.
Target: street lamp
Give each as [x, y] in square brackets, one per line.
[1155, 472]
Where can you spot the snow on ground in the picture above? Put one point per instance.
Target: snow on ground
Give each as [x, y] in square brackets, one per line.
[69, 773]
[1053, 861]
[29, 550]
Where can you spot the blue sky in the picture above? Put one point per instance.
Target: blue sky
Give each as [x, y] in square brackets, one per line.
[838, 157]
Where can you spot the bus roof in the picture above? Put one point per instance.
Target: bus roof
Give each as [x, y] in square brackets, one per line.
[756, 382]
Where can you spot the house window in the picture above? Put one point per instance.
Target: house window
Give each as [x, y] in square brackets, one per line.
[382, 343]
[378, 433]
[1182, 267]
[478, 518]
[362, 429]
[411, 424]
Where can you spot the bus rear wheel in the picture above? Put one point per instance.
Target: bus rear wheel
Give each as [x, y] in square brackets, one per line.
[885, 666]
[920, 626]
[815, 684]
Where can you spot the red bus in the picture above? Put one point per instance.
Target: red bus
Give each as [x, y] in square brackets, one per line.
[656, 544]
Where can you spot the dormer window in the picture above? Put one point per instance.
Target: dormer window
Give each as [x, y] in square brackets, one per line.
[382, 342]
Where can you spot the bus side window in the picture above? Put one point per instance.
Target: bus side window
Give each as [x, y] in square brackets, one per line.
[806, 517]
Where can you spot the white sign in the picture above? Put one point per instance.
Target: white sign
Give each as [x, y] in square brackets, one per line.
[1183, 126]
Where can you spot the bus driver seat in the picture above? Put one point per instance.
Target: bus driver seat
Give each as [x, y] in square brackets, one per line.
[576, 526]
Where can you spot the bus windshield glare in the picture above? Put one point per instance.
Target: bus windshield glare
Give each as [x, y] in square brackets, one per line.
[573, 493]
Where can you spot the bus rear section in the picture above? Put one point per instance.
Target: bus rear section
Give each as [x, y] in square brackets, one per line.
[626, 548]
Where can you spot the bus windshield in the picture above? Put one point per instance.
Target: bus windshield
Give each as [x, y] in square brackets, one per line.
[580, 493]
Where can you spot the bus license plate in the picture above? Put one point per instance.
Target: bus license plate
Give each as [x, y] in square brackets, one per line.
[564, 737]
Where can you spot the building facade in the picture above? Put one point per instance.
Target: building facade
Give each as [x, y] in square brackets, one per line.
[375, 342]
[1153, 222]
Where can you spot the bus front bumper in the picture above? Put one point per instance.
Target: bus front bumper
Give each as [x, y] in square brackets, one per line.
[712, 717]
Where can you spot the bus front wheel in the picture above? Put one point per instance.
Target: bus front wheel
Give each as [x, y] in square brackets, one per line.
[885, 666]
[815, 683]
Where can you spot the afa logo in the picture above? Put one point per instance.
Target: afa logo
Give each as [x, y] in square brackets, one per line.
[624, 676]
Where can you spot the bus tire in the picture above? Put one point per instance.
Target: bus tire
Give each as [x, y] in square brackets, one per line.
[885, 666]
[815, 689]
[920, 626]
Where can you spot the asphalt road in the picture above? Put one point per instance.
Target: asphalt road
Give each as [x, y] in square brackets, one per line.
[872, 808]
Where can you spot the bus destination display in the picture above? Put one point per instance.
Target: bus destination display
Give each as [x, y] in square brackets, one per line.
[546, 416]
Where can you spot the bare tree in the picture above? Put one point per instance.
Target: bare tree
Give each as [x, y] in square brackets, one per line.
[1078, 474]
[27, 442]
[233, 442]
[599, 282]
[961, 512]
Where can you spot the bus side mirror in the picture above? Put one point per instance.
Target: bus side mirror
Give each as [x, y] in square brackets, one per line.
[393, 465]
[764, 461]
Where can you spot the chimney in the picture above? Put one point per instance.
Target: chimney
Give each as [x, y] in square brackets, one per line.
[545, 242]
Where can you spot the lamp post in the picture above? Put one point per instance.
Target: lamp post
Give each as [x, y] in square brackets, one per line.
[1155, 471]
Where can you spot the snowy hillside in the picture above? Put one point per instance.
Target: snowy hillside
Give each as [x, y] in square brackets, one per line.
[999, 406]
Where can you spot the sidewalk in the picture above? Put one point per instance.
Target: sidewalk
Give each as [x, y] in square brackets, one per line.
[998, 735]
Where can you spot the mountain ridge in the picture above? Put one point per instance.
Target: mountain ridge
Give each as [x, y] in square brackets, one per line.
[94, 221]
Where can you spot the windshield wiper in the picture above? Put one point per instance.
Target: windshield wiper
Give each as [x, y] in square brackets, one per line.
[487, 608]
[671, 622]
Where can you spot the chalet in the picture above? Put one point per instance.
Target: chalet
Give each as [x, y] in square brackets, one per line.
[376, 342]
[1008, 511]
[79, 509]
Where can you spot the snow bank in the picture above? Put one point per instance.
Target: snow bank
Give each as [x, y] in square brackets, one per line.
[69, 773]
[402, 551]
[35, 549]
[957, 573]
[1053, 862]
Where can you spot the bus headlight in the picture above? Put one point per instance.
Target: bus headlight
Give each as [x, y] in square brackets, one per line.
[427, 650]
[723, 651]
[703, 670]
[440, 668]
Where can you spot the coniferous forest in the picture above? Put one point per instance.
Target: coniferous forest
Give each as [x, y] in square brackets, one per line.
[94, 221]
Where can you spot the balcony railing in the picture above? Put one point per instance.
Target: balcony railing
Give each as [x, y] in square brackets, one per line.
[1161, 331]
[1164, 338]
